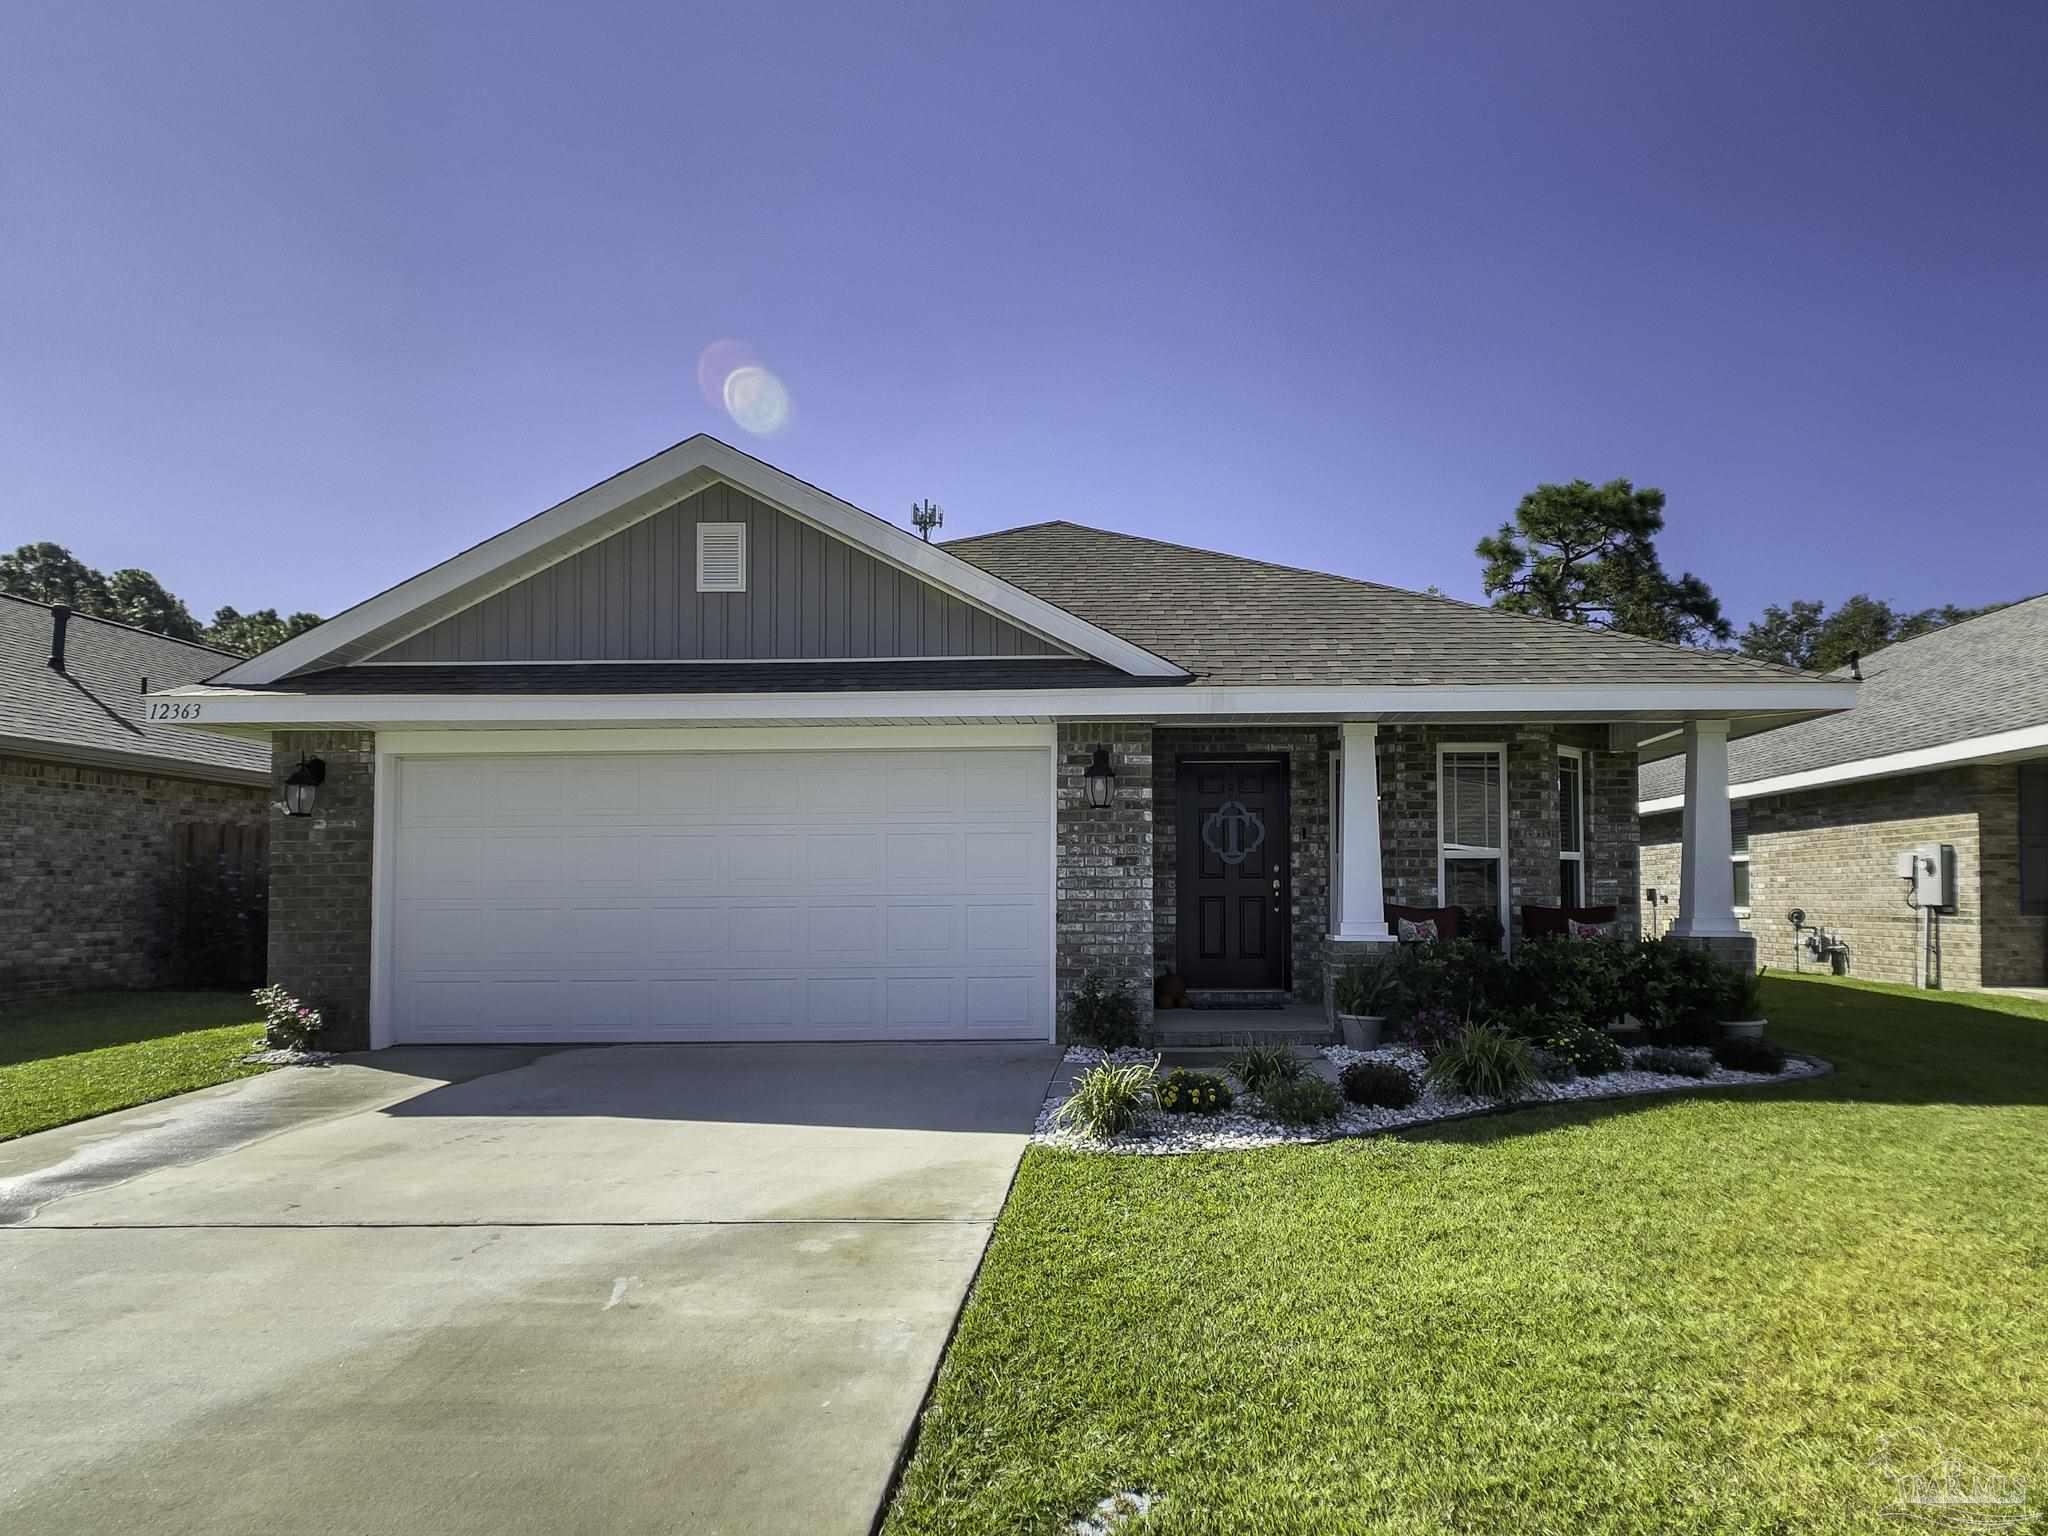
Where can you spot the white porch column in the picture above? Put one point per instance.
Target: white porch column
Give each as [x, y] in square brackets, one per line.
[1362, 893]
[1706, 878]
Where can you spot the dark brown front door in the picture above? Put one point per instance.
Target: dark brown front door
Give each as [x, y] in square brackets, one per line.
[1233, 876]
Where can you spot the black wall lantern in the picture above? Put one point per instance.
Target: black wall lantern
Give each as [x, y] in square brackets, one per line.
[1101, 780]
[302, 786]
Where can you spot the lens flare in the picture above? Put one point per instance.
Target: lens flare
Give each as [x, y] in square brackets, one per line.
[733, 379]
[756, 399]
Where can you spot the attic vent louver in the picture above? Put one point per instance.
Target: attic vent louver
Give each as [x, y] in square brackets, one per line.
[721, 557]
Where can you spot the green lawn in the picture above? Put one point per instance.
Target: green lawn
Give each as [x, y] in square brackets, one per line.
[65, 1058]
[1699, 1314]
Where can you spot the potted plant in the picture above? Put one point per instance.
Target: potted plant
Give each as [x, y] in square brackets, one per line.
[1742, 1009]
[1362, 993]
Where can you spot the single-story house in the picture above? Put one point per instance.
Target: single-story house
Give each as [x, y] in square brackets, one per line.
[1947, 750]
[706, 753]
[131, 852]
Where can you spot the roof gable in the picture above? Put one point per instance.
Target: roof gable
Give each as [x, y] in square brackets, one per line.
[627, 498]
[1233, 620]
[634, 596]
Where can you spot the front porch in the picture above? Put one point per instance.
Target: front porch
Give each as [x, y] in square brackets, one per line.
[1234, 868]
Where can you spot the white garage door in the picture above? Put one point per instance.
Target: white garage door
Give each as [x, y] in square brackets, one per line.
[831, 895]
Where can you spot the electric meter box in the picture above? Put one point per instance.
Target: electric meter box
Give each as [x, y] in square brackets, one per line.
[1931, 869]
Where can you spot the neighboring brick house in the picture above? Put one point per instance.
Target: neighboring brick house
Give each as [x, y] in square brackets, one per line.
[130, 851]
[705, 753]
[1947, 745]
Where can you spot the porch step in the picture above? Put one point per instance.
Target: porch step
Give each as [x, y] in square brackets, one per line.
[1246, 999]
[1225, 1030]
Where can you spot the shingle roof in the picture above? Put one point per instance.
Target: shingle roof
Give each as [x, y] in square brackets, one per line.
[1234, 620]
[1982, 676]
[94, 706]
[715, 677]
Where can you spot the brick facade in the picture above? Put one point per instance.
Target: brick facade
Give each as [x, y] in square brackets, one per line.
[1103, 882]
[320, 883]
[1830, 851]
[87, 869]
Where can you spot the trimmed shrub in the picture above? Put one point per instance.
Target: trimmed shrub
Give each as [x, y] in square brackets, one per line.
[1102, 1014]
[1107, 1100]
[1303, 1100]
[1380, 1084]
[1182, 1092]
[1432, 1029]
[1590, 1050]
[1672, 1063]
[1484, 1063]
[1750, 1054]
[1259, 1067]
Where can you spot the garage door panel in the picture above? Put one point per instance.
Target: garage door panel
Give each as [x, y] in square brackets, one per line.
[442, 938]
[684, 863]
[766, 933]
[809, 895]
[442, 793]
[1004, 932]
[760, 862]
[441, 864]
[688, 935]
[845, 860]
[841, 932]
[923, 932]
[921, 861]
[592, 861]
[685, 785]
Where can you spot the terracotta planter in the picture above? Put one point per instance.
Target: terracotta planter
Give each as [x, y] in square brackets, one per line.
[1361, 1031]
[1743, 1029]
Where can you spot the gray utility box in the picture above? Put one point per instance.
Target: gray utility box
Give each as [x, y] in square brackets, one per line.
[1930, 873]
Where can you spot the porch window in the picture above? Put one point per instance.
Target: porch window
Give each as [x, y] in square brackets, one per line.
[1472, 827]
[2033, 838]
[1738, 836]
[1571, 826]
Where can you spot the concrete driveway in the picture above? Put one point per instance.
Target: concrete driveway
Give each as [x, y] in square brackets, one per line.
[637, 1288]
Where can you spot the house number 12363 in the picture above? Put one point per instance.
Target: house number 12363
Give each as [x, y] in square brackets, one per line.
[164, 709]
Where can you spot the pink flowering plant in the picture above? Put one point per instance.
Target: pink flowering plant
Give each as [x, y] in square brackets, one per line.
[288, 1025]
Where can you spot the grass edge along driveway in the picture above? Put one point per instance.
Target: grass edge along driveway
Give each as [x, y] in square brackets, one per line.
[72, 1057]
[1732, 1312]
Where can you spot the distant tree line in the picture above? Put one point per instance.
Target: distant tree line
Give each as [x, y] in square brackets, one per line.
[50, 573]
[1586, 554]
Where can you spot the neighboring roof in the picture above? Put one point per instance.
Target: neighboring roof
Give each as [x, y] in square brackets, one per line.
[93, 710]
[630, 496]
[1973, 689]
[713, 677]
[1233, 620]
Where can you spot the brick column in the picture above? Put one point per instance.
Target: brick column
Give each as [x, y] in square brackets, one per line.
[1104, 865]
[320, 882]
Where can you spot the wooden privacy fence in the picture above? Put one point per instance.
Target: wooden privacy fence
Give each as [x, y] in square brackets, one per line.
[219, 897]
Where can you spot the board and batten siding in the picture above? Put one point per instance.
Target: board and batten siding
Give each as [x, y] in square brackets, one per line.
[634, 597]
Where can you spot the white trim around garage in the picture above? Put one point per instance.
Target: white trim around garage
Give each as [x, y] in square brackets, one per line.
[2000, 746]
[395, 748]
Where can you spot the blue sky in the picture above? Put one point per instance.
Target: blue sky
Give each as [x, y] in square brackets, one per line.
[295, 301]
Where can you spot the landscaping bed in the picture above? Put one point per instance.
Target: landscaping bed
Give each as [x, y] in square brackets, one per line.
[1246, 1125]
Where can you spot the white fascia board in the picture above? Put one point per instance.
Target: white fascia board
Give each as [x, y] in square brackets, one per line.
[800, 738]
[2025, 742]
[696, 457]
[221, 707]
